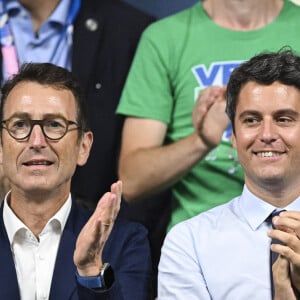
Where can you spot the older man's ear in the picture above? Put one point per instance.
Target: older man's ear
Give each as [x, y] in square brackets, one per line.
[86, 143]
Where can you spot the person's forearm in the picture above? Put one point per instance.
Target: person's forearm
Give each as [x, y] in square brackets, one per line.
[150, 170]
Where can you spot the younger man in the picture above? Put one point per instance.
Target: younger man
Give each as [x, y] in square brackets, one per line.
[224, 253]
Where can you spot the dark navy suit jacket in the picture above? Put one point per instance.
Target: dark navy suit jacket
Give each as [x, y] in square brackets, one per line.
[126, 250]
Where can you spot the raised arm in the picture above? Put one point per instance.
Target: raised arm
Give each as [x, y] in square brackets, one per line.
[147, 165]
[91, 241]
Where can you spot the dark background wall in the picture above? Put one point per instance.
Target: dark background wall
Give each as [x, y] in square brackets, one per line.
[161, 8]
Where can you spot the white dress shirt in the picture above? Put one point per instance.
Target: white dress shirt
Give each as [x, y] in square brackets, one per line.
[35, 258]
[220, 254]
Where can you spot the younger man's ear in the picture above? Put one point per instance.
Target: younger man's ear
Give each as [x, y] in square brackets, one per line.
[233, 140]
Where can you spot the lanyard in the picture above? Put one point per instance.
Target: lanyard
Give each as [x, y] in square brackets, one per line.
[8, 48]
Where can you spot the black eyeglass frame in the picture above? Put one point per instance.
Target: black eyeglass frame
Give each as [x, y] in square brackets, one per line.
[41, 123]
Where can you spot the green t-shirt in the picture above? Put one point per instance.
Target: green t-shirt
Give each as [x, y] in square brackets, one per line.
[176, 58]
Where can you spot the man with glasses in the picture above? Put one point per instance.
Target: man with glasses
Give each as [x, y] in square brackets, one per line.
[49, 247]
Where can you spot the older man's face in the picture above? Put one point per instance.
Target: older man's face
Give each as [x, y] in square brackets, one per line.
[38, 164]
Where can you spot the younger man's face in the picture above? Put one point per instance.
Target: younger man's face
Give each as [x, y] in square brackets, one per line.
[267, 131]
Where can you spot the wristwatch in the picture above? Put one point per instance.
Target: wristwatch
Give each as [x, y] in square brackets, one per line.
[103, 281]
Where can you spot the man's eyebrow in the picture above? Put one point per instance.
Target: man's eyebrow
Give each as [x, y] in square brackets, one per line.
[290, 112]
[53, 116]
[20, 115]
[249, 113]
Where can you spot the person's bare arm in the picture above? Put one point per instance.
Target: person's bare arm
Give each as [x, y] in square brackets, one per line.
[147, 166]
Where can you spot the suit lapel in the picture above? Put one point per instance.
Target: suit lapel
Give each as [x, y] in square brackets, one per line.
[9, 288]
[64, 282]
[63, 285]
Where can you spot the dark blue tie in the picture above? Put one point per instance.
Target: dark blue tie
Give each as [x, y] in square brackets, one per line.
[273, 255]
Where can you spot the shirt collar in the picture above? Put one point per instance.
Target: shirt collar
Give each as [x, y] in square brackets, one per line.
[256, 210]
[59, 15]
[13, 224]
[12, 6]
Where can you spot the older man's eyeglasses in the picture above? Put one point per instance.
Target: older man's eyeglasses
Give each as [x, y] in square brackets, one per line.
[52, 128]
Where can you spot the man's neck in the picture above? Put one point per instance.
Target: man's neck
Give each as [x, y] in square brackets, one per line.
[278, 193]
[40, 10]
[243, 15]
[35, 212]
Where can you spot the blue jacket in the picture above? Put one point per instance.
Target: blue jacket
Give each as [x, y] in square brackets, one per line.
[127, 250]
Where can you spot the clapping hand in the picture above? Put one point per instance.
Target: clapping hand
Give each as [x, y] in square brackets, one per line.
[209, 117]
[93, 236]
[286, 269]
